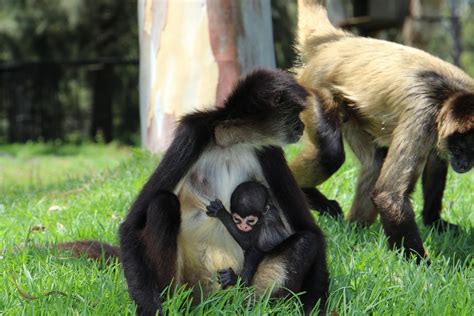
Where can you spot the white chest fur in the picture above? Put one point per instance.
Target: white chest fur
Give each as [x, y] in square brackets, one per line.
[205, 244]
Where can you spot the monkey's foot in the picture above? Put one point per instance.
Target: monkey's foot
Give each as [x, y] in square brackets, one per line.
[332, 209]
[413, 248]
[227, 277]
[443, 226]
[320, 203]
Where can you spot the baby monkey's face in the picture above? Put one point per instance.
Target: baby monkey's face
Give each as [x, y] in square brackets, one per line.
[245, 224]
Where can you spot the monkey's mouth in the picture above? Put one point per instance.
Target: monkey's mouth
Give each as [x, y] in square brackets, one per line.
[460, 167]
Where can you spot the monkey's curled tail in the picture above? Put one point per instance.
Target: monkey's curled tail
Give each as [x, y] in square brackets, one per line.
[92, 249]
[314, 28]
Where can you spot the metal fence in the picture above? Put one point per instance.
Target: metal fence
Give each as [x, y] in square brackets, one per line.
[68, 99]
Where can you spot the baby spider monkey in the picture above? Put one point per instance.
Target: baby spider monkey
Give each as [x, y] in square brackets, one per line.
[255, 223]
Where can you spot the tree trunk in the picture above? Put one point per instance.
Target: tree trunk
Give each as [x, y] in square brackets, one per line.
[191, 54]
[102, 116]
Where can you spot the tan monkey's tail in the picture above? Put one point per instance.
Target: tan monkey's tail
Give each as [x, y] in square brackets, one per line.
[314, 28]
[92, 249]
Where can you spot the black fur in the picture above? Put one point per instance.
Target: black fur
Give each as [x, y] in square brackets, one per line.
[434, 182]
[463, 107]
[315, 279]
[268, 102]
[331, 157]
[461, 151]
[435, 87]
[460, 146]
[251, 198]
[330, 143]
[321, 203]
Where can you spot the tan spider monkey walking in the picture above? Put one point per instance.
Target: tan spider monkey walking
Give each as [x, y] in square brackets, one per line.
[400, 110]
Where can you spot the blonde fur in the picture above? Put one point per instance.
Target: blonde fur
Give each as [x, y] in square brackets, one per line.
[204, 244]
[389, 92]
[361, 70]
[308, 37]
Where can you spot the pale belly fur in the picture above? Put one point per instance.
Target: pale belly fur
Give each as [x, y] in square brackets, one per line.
[204, 244]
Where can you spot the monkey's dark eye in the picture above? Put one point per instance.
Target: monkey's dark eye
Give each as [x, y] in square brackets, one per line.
[267, 207]
[456, 150]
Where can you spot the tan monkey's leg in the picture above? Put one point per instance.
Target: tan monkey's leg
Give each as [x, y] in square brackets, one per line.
[363, 210]
[306, 169]
[309, 173]
[412, 142]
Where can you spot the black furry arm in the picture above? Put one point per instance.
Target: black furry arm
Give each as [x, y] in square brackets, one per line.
[286, 191]
[218, 210]
[191, 137]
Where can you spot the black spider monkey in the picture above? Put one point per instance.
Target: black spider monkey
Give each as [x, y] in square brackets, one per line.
[255, 224]
[167, 235]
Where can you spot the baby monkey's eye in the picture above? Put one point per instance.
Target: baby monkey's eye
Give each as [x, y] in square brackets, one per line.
[236, 219]
[252, 220]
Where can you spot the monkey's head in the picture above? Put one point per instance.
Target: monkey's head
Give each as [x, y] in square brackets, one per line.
[247, 204]
[461, 151]
[264, 108]
[456, 128]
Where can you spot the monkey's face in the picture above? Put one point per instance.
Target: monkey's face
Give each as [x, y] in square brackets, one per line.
[293, 126]
[245, 224]
[461, 151]
[269, 103]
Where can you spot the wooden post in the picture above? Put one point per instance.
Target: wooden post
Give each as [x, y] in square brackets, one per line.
[191, 54]
[419, 25]
[456, 31]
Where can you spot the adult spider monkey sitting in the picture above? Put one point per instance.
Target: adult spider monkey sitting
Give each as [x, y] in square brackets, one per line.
[255, 223]
[167, 236]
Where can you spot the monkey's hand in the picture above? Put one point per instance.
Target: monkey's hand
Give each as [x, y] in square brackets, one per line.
[227, 277]
[215, 208]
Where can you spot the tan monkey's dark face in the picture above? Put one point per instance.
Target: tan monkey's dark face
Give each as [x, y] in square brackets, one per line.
[461, 151]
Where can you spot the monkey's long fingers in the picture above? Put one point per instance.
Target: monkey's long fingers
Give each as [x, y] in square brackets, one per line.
[217, 205]
[211, 213]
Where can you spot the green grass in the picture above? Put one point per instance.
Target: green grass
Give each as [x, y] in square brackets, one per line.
[51, 194]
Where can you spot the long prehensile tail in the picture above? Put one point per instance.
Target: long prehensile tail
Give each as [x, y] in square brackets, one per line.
[92, 249]
[314, 28]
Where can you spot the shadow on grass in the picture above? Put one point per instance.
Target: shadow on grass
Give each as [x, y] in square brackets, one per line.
[456, 245]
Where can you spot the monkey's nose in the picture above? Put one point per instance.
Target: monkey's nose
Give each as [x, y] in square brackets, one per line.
[245, 228]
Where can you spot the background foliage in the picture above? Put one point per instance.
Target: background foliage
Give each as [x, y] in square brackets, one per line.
[69, 68]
